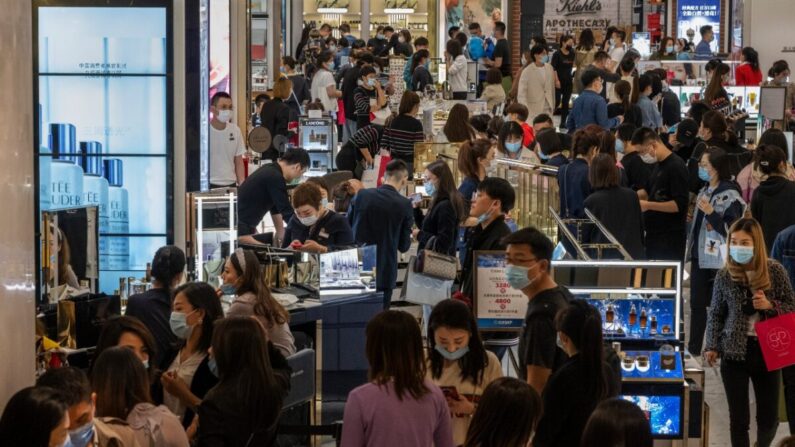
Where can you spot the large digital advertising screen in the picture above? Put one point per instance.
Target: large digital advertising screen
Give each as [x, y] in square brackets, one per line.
[103, 96]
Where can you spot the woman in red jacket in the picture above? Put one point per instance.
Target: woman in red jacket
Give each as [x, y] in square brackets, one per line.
[748, 72]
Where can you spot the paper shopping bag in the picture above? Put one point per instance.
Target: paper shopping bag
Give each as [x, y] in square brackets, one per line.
[370, 178]
[776, 337]
[421, 289]
[380, 166]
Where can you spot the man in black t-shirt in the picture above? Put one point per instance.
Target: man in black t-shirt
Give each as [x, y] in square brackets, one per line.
[502, 56]
[529, 263]
[665, 198]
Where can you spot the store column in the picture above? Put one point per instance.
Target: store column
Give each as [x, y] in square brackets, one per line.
[17, 308]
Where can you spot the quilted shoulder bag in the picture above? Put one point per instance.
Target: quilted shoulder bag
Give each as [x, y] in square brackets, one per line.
[434, 264]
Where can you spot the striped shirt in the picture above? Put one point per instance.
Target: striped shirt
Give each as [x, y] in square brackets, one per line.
[367, 137]
[361, 98]
[400, 137]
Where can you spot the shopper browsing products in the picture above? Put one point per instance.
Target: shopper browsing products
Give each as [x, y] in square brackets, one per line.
[314, 228]
[749, 289]
[458, 362]
[226, 144]
[265, 191]
[529, 264]
[590, 107]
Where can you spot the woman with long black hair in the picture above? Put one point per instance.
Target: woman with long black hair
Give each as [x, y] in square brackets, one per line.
[459, 364]
[584, 380]
[437, 230]
[748, 72]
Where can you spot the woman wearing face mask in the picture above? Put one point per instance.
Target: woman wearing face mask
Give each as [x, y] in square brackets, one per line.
[510, 144]
[750, 288]
[324, 88]
[275, 115]
[243, 278]
[667, 51]
[537, 84]
[458, 362]
[421, 77]
[368, 96]
[314, 228]
[129, 332]
[403, 46]
[779, 74]
[456, 69]
[405, 130]
[153, 307]
[437, 230]
[121, 385]
[525, 60]
[573, 177]
[188, 375]
[718, 205]
[35, 416]
[585, 379]
[715, 132]
[243, 409]
[771, 203]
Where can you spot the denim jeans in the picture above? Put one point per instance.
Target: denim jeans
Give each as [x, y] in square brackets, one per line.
[348, 130]
[735, 382]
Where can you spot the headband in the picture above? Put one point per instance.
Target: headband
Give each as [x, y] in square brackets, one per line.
[241, 258]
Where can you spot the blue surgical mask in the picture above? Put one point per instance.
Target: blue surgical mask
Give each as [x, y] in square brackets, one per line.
[669, 49]
[619, 146]
[703, 174]
[513, 147]
[213, 365]
[430, 188]
[380, 36]
[324, 202]
[146, 364]
[543, 156]
[179, 325]
[371, 82]
[452, 356]
[283, 69]
[427, 65]
[483, 217]
[228, 289]
[516, 275]
[82, 436]
[740, 254]
[545, 59]
[558, 341]
[331, 66]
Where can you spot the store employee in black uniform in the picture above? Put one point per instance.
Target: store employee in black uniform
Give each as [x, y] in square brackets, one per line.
[266, 191]
[314, 228]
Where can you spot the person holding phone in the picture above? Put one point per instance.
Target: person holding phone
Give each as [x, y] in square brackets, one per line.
[750, 288]
[458, 362]
[314, 228]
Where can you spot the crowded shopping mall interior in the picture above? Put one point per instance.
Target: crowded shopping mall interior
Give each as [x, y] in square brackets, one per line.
[397, 223]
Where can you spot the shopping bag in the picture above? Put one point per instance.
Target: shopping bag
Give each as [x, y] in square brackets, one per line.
[370, 178]
[380, 167]
[776, 338]
[421, 289]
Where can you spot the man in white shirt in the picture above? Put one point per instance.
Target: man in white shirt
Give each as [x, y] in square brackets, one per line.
[226, 145]
[619, 48]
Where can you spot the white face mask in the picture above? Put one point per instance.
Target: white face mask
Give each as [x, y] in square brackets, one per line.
[225, 116]
[308, 221]
[648, 158]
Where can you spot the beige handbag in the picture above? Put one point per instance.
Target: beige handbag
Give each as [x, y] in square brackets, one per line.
[434, 264]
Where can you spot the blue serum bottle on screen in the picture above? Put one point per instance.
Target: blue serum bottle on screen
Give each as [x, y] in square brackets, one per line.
[95, 191]
[118, 247]
[66, 178]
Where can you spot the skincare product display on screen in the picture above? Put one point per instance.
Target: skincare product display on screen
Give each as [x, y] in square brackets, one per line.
[636, 317]
[340, 269]
[663, 413]
[102, 90]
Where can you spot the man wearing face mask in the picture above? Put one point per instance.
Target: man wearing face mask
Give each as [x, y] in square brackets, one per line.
[494, 199]
[368, 97]
[226, 144]
[529, 263]
[265, 191]
[384, 217]
[665, 198]
[314, 228]
[84, 429]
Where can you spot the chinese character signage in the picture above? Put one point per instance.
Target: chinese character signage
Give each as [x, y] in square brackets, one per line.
[693, 14]
[497, 305]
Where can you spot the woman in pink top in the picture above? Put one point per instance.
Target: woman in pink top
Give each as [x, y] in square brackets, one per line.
[748, 73]
[399, 406]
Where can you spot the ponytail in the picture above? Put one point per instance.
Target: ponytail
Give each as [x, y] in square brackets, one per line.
[167, 265]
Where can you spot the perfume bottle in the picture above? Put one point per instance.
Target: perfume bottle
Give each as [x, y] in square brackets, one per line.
[610, 314]
[633, 316]
[95, 191]
[653, 323]
[66, 178]
[118, 217]
[643, 319]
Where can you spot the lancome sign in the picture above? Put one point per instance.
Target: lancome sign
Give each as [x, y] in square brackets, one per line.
[570, 16]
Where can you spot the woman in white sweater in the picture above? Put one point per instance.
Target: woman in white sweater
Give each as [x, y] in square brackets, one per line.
[537, 84]
[456, 69]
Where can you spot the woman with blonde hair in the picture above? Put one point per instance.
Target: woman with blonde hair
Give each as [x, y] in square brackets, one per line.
[750, 288]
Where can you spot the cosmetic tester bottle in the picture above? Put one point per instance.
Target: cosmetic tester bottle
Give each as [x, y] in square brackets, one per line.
[95, 191]
[118, 217]
[66, 178]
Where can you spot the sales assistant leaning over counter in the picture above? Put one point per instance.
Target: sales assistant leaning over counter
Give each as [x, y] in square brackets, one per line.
[315, 228]
[266, 191]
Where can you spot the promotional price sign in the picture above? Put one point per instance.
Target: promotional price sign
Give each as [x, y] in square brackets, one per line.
[497, 305]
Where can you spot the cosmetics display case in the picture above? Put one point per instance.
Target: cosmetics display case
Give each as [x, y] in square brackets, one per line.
[211, 235]
[318, 137]
[746, 98]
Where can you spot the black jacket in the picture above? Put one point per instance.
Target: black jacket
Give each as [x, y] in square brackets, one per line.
[632, 116]
[479, 238]
[441, 223]
[275, 117]
[153, 308]
[618, 209]
[671, 108]
[332, 231]
[226, 418]
[772, 206]
[203, 381]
